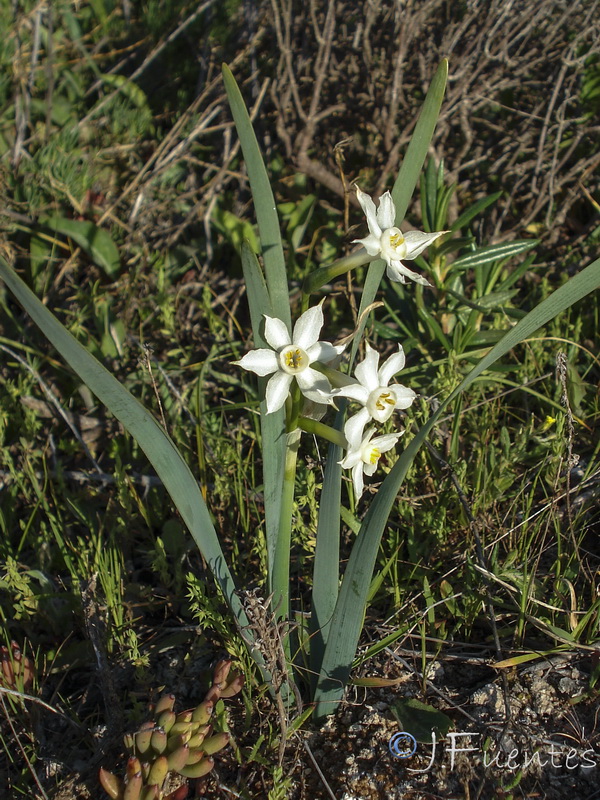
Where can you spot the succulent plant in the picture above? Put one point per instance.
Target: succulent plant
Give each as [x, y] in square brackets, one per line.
[183, 743]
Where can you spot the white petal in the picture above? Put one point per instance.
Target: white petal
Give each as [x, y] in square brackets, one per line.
[308, 327]
[366, 371]
[405, 397]
[417, 241]
[278, 389]
[396, 271]
[386, 213]
[368, 206]
[354, 391]
[391, 367]
[353, 430]
[351, 459]
[276, 333]
[261, 361]
[370, 469]
[371, 243]
[323, 352]
[314, 410]
[357, 480]
[314, 385]
[385, 443]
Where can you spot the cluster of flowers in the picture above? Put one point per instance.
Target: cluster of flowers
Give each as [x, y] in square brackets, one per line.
[291, 357]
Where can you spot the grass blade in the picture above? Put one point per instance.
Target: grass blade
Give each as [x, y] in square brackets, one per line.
[350, 609]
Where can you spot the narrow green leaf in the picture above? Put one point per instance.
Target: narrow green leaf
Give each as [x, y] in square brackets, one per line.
[326, 571]
[473, 211]
[445, 195]
[272, 425]
[416, 152]
[516, 273]
[96, 243]
[430, 186]
[156, 444]
[264, 202]
[347, 621]
[485, 255]
[450, 245]
[514, 661]
[484, 304]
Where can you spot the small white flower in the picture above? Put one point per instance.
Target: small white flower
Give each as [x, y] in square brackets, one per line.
[291, 358]
[388, 241]
[372, 391]
[364, 453]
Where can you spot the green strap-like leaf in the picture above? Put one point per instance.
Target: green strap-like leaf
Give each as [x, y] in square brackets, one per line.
[347, 621]
[495, 252]
[264, 203]
[416, 152]
[156, 444]
[272, 426]
[326, 570]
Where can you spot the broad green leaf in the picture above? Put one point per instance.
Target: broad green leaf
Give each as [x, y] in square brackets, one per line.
[156, 444]
[347, 621]
[95, 242]
[419, 719]
[495, 252]
[264, 202]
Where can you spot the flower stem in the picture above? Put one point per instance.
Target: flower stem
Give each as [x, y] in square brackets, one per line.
[322, 430]
[281, 564]
[319, 277]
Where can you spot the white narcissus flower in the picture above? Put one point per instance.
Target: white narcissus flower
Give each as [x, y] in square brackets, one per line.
[388, 241]
[364, 453]
[291, 358]
[373, 392]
